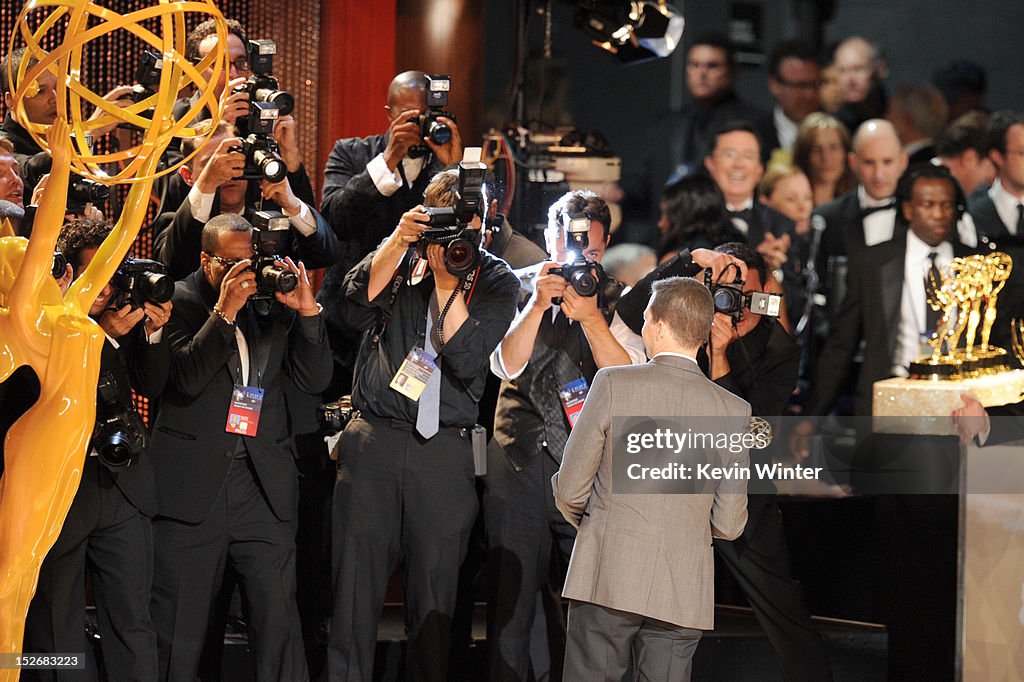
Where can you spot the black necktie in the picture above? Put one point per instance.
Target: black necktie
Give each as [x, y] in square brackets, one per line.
[931, 316]
[1020, 220]
[745, 215]
[865, 212]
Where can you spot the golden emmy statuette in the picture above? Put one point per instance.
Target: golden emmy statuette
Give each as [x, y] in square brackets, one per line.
[966, 293]
[53, 334]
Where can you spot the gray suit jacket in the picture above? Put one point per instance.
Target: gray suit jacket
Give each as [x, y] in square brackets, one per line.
[648, 554]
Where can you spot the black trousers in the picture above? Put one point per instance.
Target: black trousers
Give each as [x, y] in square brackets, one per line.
[529, 545]
[398, 497]
[189, 572]
[759, 559]
[104, 530]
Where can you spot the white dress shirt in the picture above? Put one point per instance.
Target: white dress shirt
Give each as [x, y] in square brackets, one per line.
[387, 181]
[1006, 205]
[201, 204]
[785, 129]
[740, 223]
[913, 313]
[880, 226]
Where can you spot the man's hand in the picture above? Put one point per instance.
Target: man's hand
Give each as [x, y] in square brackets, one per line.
[236, 288]
[451, 151]
[403, 133]
[970, 419]
[300, 298]
[582, 309]
[775, 250]
[718, 263]
[281, 194]
[65, 280]
[117, 323]
[156, 315]
[723, 333]
[122, 96]
[443, 280]
[37, 192]
[287, 136]
[235, 104]
[227, 163]
[547, 287]
[413, 222]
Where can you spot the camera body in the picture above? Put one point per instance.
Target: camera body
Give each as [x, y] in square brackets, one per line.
[263, 87]
[580, 272]
[438, 87]
[271, 239]
[60, 265]
[266, 104]
[333, 417]
[147, 77]
[82, 191]
[450, 225]
[120, 435]
[730, 299]
[139, 280]
[262, 157]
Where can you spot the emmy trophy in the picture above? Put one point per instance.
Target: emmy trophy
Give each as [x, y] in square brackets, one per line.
[52, 332]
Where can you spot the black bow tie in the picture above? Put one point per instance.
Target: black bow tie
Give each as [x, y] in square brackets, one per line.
[744, 215]
[865, 212]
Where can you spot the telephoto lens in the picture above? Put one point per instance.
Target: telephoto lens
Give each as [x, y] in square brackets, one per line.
[272, 278]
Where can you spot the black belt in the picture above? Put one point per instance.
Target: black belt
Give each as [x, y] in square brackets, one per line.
[402, 424]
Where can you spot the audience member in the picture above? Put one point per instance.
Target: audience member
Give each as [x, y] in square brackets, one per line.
[822, 151]
[693, 216]
[793, 73]
[629, 263]
[962, 147]
[861, 69]
[918, 113]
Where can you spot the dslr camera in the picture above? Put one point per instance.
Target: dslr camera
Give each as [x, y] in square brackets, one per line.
[139, 280]
[266, 105]
[579, 273]
[120, 435]
[82, 191]
[437, 132]
[333, 417]
[449, 225]
[271, 238]
[730, 299]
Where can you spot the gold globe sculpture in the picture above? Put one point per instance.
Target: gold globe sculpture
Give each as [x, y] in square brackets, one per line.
[50, 332]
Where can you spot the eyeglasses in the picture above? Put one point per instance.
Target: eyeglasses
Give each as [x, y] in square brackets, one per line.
[733, 155]
[241, 64]
[799, 85]
[226, 262]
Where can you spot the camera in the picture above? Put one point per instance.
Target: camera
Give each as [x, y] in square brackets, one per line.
[437, 132]
[730, 299]
[580, 272]
[334, 417]
[140, 280]
[262, 158]
[82, 191]
[147, 82]
[60, 265]
[120, 435]
[449, 225]
[271, 238]
[262, 87]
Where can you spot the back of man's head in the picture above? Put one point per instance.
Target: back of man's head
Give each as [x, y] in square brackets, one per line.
[685, 306]
[443, 190]
[966, 132]
[918, 111]
[80, 234]
[208, 28]
[218, 225]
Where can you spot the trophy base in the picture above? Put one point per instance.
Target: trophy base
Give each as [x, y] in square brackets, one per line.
[945, 369]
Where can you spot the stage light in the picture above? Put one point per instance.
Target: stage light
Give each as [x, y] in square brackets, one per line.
[632, 31]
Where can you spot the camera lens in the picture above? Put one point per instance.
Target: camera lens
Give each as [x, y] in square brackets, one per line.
[155, 287]
[88, 191]
[284, 100]
[439, 133]
[278, 278]
[116, 452]
[584, 283]
[725, 300]
[461, 257]
[60, 265]
[272, 168]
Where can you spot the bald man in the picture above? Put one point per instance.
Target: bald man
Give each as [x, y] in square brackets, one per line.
[861, 69]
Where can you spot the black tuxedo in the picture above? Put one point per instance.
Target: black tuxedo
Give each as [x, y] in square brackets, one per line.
[763, 220]
[178, 242]
[995, 235]
[225, 497]
[107, 529]
[869, 312]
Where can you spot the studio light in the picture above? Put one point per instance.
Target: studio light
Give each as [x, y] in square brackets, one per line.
[632, 31]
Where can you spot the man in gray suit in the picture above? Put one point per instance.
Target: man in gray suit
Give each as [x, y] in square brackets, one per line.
[641, 575]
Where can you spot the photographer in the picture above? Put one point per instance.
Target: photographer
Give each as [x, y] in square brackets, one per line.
[549, 348]
[223, 456]
[752, 356]
[41, 109]
[108, 529]
[405, 488]
[213, 176]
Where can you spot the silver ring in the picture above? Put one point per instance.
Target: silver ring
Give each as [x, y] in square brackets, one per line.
[245, 285]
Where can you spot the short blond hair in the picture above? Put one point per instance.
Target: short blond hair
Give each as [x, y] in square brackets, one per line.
[776, 173]
[686, 306]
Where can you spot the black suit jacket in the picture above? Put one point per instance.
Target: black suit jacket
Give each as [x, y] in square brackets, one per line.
[144, 367]
[994, 235]
[178, 242]
[869, 312]
[191, 451]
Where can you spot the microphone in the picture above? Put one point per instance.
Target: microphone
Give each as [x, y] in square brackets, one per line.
[811, 276]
